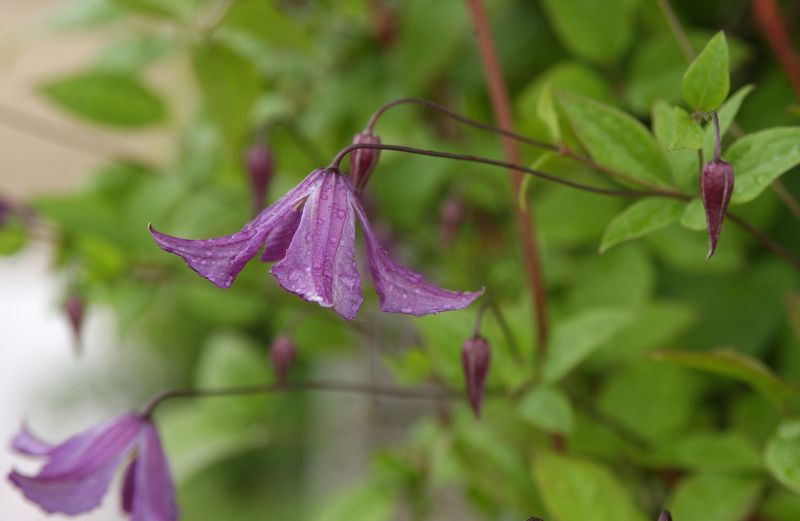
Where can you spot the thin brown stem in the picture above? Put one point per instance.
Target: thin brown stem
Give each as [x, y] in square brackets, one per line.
[765, 239]
[717, 146]
[501, 106]
[510, 166]
[330, 386]
[677, 29]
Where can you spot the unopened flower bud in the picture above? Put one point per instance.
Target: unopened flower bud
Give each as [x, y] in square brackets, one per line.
[475, 357]
[363, 160]
[716, 187]
[260, 164]
[281, 354]
[665, 516]
[75, 309]
[451, 213]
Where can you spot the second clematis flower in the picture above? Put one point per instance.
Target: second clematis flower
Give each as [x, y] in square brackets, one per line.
[310, 232]
[78, 472]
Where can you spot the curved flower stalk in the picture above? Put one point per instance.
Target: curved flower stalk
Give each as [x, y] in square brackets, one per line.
[310, 232]
[77, 472]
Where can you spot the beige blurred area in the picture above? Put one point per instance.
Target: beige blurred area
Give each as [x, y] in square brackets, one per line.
[43, 150]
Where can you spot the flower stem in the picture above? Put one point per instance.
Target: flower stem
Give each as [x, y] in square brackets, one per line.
[715, 122]
[498, 95]
[330, 386]
[677, 29]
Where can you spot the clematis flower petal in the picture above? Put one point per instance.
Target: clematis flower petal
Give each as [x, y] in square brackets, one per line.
[151, 492]
[25, 442]
[129, 487]
[222, 258]
[320, 265]
[401, 290]
[78, 472]
[280, 236]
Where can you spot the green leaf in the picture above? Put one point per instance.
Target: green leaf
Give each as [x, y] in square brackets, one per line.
[735, 365]
[229, 84]
[686, 132]
[760, 158]
[548, 409]
[173, 10]
[576, 338]
[616, 140]
[714, 497]
[116, 100]
[694, 215]
[575, 489]
[782, 455]
[726, 115]
[709, 451]
[597, 31]
[13, 235]
[546, 110]
[640, 218]
[707, 81]
[684, 164]
[132, 55]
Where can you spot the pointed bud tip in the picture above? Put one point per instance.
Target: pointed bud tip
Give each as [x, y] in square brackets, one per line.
[475, 359]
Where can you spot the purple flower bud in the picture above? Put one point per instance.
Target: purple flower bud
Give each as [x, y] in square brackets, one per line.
[665, 516]
[716, 187]
[260, 164]
[281, 354]
[363, 160]
[451, 213]
[475, 357]
[74, 308]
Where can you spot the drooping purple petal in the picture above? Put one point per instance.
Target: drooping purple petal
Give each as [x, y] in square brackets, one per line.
[320, 265]
[25, 442]
[78, 472]
[280, 236]
[152, 490]
[401, 290]
[220, 259]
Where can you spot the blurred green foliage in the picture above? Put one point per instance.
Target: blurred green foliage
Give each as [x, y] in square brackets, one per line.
[670, 381]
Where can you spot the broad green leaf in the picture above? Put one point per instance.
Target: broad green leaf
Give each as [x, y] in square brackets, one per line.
[576, 338]
[714, 497]
[229, 84]
[547, 408]
[367, 501]
[707, 81]
[686, 132]
[684, 164]
[132, 55]
[709, 451]
[623, 277]
[617, 141]
[575, 489]
[546, 110]
[13, 235]
[735, 365]
[694, 215]
[760, 158]
[650, 399]
[726, 115]
[116, 100]
[792, 302]
[780, 505]
[782, 455]
[597, 31]
[640, 218]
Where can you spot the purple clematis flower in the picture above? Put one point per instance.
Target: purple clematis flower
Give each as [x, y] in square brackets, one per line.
[310, 231]
[77, 472]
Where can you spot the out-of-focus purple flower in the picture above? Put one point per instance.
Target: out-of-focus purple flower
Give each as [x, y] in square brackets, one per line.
[451, 213]
[475, 358]
[363, 160]
[77, 473]
[665, 516]
[5, 210]
[260, 165]
[74, 308]
[310, 231]
[281, 354]
[716, 187]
